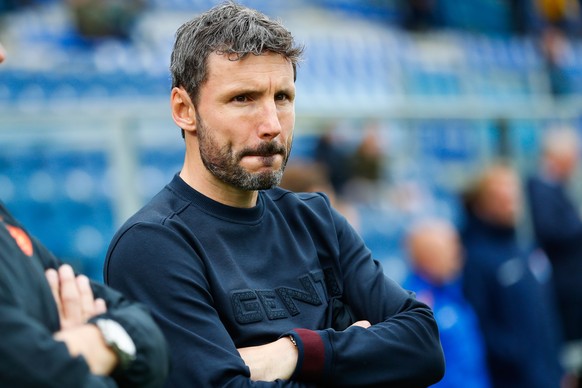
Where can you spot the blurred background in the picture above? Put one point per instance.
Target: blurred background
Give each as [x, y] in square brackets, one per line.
[400, 103]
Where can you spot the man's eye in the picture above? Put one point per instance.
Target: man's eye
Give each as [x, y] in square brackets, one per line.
[281, 97]
[240, 98]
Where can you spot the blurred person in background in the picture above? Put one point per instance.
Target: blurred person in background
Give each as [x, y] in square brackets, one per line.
[561, 14]
[554, 50]
[59, 329]
[420, 15]
[557, 225]
[252, 284]
[97, 19]
[436, 261]
[366, 168]
[311, 177]
[332, 153]
[509, 286]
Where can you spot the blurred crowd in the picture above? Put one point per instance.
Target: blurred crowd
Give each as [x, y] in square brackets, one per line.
[114, 17]
[93, 19]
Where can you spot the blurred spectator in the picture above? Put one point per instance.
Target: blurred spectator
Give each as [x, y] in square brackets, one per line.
[523, 16]
[562, 14]
[366, 167]
[420, 15]
[105, 18]
[311, 177]
[334, 157]
[355, 169]
[558, 225]
[509, 286]
[553, 42]
[435, 256]
[368, 159]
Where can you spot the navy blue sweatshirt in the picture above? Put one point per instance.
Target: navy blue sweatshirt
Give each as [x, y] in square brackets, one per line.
[557, 226]
[29, 355]
[218, 278]
[514, 307]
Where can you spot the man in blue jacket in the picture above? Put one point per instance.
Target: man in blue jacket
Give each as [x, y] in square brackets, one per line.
[255, 285]
[557, 224]
[436, 261]
[510, 286]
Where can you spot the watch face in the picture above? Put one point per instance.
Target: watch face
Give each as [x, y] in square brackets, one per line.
[116, 337]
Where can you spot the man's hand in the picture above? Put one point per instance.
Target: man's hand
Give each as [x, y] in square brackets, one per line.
[272, 361]
[76, 305]
[87, 341]
[276, 360]
[73, 297]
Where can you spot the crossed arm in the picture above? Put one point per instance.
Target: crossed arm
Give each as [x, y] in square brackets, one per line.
[275, 360]
[76, 305]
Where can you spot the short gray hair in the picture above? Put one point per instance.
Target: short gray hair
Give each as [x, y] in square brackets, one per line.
[229, 29]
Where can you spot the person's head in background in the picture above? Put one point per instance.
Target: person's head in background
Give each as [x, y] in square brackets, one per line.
[304, 177]
[496, 196]
[561, 149]
[434, 250]
[2, 53]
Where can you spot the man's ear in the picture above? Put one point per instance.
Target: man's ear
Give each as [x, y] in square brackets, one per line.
[183, 110]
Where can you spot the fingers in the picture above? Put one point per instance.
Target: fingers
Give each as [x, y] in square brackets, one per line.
[87, 303]
[100, 307]
[73, 296]
[53, 280]
[70, 295]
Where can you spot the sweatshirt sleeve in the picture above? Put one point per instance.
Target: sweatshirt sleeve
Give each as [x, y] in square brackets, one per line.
[166, 274]
[401, 348]
[151, 365]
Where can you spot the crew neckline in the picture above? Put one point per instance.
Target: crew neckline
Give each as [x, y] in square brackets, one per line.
[215, 208]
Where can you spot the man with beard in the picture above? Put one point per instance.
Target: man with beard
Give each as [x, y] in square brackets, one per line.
[248, 281]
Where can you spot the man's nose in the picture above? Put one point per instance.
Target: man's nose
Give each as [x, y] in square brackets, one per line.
[270, 124]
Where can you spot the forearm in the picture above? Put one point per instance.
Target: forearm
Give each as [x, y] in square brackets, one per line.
[272, 361]
[404, 351]
[32, 357]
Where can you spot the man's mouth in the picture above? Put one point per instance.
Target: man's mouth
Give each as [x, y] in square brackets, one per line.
[265, 150]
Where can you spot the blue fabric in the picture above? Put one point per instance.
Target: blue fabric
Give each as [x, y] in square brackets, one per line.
[218, 278]
[558, 228]
[515, 308]
[459, 330]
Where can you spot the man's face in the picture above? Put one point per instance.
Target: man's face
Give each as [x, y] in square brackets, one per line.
[437, 253]
[502, 197]
[244, 119]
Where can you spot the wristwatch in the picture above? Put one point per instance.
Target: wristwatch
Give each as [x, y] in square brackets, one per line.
[118, 340]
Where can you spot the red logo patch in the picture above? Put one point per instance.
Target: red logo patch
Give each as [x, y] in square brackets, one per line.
[21, 238]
